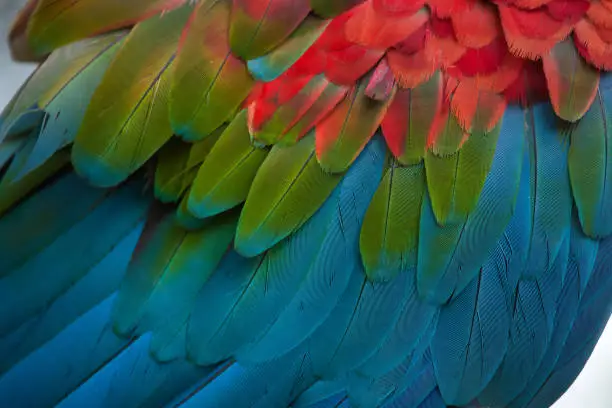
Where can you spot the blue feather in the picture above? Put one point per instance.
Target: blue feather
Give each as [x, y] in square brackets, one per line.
[551, 199]
[366, 391]
[530, 332]
[260, 296]
[272, 384]
[65, 242]
[567, 307]
[93, 288]
[460, 249]
[434, 400]
[412, 395]
[329, 272]
[321, 394]
[593, 314]
[472, 337]
[134, 379]
[64, 363]
[416, 322]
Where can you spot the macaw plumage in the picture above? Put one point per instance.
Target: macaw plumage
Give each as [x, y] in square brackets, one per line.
[305, 203]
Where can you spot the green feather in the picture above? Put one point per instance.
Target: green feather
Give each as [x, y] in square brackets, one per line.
[209, 83]
[455, 181]
[177, 166]
[390, 232]
[288, 189]
[127, 119]
[224, 179]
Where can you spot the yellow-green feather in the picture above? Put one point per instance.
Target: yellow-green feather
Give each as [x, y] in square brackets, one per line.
[127, 119]
[209, 83]
[288, 189]
[390, 232]
[455, 181]
[224, 179]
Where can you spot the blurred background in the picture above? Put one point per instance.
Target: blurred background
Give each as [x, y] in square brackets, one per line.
[592, 389]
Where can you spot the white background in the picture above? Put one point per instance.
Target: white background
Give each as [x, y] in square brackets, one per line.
[592, 389]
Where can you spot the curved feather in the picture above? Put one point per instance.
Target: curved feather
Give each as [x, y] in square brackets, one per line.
[64, 111]
[455, 182]
[208, 82]
[450, 256]
[287, 190]
[127, 120]
[257, 28]
[389, 236]
[177, 166]
[269, 67]
[331, 9]
[572, 82]
[589, 167]
[25, 288]
[50, 78]
[409, 119]
[224, 179]
[551, 200]
[329, 272]
[58, 22]
[343, 134]
[265, 289]
[167, 271]
[472, 337]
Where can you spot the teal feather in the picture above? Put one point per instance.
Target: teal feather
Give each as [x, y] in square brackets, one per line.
[272, 384]
[321, 394]
[134, 379]
[417, 321]
[372, 391]
[90, 290]
[472, 337]
[593, 314]
[168, 269]
[530, 331]
[65, 362]
[64, 112]
[551, 200]
[459, 250]
[417, 391]
[568, 303]
[26, 290]
[28, 229]
[268, 290]
[329, 272]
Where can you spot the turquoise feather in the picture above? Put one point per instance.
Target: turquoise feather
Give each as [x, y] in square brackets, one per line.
[593, 313]
[26, 290]
[65, 362]
[551, 204]
[103, 279]
[450, 256]
[330, 270]
[134, 379]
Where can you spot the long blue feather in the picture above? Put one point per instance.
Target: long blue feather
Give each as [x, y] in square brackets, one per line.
[460, 249]
[551, 199]
[567, 307]
[65, 362]
[412, 395]
[134, 379]
[472, 337]
[93, 288]
[416, 322]
[329, 272]
[27, 289]
[530, 331]
[258, 298]
[593, 313]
